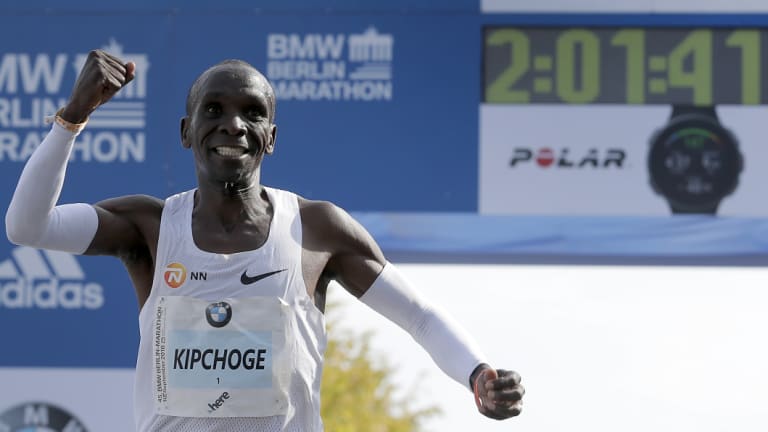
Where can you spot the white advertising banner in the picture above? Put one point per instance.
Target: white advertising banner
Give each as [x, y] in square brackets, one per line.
[594, 160]
[645, 349]
[641, 6]
[62, 399]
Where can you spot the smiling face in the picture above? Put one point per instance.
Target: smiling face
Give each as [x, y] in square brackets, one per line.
[229, 126]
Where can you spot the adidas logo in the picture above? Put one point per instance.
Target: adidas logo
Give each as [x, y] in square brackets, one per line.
[46, 280]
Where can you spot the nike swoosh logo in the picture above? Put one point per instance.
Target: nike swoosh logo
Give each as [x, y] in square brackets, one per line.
[247, 280]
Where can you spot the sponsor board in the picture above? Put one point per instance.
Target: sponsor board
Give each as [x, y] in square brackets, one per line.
[35, 279]
[34, 85]
[416, 127]
[39, 416]
[331, 66]
[64, 400]
[593, 160]
[54, 298]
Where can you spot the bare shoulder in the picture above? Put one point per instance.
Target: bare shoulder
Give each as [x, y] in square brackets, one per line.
[322, 215]
[325, 225]
[133, 205]
[328, 228]
[127, 224]
[326, 221]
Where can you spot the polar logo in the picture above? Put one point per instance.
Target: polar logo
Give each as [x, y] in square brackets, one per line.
[34, 279]
[39, 416]
[546, 157]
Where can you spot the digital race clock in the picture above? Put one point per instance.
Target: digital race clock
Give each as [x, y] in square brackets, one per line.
[701, 66]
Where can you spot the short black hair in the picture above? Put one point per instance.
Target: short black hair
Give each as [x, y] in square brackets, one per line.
[194, 90]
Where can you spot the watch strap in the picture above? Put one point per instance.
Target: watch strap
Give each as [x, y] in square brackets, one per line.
[709, 209]
[706, 111]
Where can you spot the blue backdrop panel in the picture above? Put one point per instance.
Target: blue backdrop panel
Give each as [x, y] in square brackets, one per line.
[80, 314]
[412, 150]
[230, 6]
[405, 161]
[462, 237]
[415, 151]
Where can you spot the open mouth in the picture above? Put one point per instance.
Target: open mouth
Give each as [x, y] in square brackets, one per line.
[229, 152]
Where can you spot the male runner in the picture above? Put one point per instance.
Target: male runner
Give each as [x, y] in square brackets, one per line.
[241, 350]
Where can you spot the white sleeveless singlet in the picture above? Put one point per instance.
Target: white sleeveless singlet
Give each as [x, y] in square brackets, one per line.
[229, 342]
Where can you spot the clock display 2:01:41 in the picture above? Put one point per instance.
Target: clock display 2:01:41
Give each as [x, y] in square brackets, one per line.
[688, 66]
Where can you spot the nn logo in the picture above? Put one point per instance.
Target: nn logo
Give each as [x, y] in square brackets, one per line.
[176, 274]
[46, 280]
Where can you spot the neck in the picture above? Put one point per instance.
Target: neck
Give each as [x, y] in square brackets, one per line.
[243, 188]
[236, 191]
[230, 204]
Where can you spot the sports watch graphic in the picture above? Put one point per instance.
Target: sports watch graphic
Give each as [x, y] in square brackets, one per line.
[693, 161]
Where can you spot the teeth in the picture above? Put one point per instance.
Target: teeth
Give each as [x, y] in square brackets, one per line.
[229, 151]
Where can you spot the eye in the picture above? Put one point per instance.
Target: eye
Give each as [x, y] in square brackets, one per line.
[213, 109]
[255, 112]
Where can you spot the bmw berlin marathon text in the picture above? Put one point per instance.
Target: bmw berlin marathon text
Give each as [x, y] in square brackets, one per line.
[33, 86]
[314, 67]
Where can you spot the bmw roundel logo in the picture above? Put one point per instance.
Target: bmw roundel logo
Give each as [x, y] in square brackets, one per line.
[39, 416]
[218, 314]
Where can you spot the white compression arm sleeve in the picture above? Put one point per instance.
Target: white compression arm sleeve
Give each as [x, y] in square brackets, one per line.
[449, 345]
[33, 219]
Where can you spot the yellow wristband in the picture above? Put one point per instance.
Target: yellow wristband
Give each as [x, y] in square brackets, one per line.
[72, 127]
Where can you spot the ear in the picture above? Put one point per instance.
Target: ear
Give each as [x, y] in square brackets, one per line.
[272, 136]
[184, 127]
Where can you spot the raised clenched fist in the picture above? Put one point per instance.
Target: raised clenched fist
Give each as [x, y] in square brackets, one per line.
[102, 76]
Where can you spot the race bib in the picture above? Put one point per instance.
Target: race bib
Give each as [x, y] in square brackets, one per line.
[224, 358]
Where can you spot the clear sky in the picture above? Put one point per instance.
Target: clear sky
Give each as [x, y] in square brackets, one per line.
[634, 349]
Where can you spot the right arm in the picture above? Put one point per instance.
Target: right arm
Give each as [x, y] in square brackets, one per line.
[126, 227]
[33, 218]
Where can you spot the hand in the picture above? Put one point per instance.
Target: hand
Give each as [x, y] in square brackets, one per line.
[498, 393]
[102, 76]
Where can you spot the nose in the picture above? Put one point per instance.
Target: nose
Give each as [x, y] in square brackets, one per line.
[233, 125]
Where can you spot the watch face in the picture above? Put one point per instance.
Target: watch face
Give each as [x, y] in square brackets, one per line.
[694, 162]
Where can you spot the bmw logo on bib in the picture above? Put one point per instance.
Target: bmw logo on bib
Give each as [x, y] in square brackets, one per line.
[218, 314]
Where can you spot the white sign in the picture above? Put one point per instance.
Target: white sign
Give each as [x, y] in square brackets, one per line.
[636, 342]
[592, 160]
[61, 399]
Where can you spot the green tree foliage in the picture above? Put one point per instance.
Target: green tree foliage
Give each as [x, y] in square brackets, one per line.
[356, 392]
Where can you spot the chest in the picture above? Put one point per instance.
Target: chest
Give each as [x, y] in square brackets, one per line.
[213, 276]
[233, 239]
